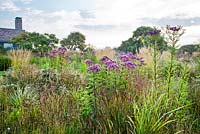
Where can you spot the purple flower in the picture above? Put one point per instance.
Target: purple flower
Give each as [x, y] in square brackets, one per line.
[94, 68]
[108, 62]
[131, 55]
[52, 55]
[155, 32]
[182, 55]
[104, 59]
[174, 28]
[46, 54]
[113, 66]
[62, 49]
[129, 64]
[88, 62]
[54, 51]
[124, 58]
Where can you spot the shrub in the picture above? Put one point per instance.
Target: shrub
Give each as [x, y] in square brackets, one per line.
[5, 63]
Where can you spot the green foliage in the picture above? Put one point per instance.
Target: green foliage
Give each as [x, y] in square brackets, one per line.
[74, 41]
[141, 38]
[189, 48]
[37, 42]
[52, 95]
[5, 63]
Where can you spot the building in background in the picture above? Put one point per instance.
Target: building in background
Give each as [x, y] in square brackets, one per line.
[7, 33]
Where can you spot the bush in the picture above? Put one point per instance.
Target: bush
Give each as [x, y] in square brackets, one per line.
[5, 63]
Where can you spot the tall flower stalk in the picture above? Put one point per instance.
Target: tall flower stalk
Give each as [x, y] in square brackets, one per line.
[94, 69]
[155, 34]
[173, 36]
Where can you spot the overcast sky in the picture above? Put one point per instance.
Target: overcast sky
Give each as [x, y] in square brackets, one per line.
[103, 22]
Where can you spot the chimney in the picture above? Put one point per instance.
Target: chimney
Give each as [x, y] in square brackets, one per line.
[18, 23]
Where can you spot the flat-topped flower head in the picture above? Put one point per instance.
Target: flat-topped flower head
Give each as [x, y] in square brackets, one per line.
[108, 62]
[88, 62]
[124, 58]
[94, 68]
[129, 64]
[155, 32]
[113, 67]
[62, 49]
[104, 59]
[174, 28]
[52, 55]
[131, 55]
[54, 51]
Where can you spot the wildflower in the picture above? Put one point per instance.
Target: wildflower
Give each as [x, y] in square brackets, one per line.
[108, 62]
[131, 55]
[88, 62]
[46, 54]
[54, 51]
[129, 64]
[113, 66]
[174, 28]
[62, 49]
[182, 55]
[155, 32]
[52, 55]
[124, 58]
[94, 68]
[104, 59]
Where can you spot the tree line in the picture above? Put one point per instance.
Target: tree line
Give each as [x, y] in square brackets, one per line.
[42, 43]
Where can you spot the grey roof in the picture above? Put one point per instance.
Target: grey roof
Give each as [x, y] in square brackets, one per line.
[6, 34]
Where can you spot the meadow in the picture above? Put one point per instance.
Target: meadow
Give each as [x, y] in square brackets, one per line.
[106, 92]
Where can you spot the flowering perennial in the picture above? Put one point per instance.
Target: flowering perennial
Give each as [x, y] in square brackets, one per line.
[94, 68]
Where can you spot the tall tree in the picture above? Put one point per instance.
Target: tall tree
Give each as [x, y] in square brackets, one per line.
[74, 41]
[22, 40]
[141, 38]
[35, 41]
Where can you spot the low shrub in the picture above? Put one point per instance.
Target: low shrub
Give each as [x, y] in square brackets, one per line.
[5, 63]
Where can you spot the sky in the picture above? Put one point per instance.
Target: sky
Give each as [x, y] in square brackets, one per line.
[105, 23]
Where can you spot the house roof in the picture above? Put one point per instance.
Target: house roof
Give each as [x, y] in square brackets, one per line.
[6, 34]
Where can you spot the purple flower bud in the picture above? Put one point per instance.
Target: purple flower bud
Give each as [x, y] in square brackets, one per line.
[131, 55]
[174, 28]
[88, 62]
[46, 54]
[182, 55]
[129, 64]
[124, 58]
[104, 59]
[54, 51]
[108, 62]
[62, 49]
[155, 32]
[113, 67]
[94, 68]
[52, 55]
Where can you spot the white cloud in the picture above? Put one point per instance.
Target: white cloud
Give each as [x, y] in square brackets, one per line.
[8, 5]
[111, 21]
[26, 1]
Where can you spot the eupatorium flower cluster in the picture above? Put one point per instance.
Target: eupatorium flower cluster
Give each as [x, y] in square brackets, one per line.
[109, 63]
[94, 68]
[131, 60]
[128, 60]
[155, 32]
[60, 51]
